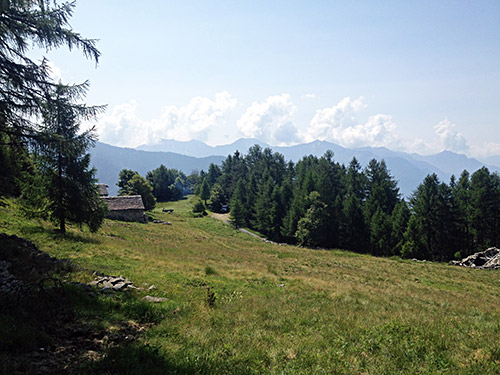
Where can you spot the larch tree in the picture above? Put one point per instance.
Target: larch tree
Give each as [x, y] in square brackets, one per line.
[24, 83]
[68, 184]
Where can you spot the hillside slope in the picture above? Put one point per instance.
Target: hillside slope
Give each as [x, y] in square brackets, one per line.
[235, 304]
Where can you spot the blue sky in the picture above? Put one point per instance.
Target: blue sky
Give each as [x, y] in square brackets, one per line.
[418, 76]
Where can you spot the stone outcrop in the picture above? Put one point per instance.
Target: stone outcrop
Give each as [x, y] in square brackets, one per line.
[488, 259]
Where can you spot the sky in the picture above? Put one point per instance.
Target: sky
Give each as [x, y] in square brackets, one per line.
[414, 76]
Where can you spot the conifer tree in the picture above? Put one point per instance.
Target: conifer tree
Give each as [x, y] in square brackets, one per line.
[205, 191]
[461, 193]
[24, 83]
[67, 182]
[312, 227]
[485, 216]
[399, 219]
[238, 210]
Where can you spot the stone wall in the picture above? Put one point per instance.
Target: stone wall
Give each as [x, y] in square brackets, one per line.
[128, 215]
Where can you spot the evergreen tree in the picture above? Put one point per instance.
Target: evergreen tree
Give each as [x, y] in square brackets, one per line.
[461, 193]
[413, 246]
[25, 84]
[263, 207]
[205, 191]
[217, 199]
[382, 197]
[399, 218]
[238, 208]
[313, 226]
[354, 228]
[381, 233]
[214, 172]
[485, 215]
[68, 183]
[431, 208]
[167, 184]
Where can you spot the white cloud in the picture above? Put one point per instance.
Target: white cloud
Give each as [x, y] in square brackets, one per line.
[122, 127]
[192, 121]
[338, 124]
[486, 150]
[309, 96]
[450, 138]
[271, 121]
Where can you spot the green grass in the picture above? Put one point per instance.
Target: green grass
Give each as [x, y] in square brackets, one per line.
[278, 309]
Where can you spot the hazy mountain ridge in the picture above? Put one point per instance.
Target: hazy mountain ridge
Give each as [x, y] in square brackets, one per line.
[110, 160]
[408, 169]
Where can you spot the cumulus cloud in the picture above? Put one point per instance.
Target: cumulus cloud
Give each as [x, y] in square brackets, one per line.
[309, 96]
[450, 138]
[338, 124]
[122, 127]
[271, 121]
[192, 121]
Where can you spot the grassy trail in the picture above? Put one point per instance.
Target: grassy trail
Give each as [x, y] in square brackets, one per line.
[281, 309]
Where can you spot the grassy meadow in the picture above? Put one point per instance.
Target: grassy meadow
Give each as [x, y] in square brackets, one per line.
[238, 305]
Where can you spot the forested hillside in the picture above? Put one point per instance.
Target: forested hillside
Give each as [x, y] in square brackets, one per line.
[319, 202]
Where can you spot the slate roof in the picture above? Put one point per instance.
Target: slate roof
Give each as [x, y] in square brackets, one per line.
[125, 202]
[103, 190]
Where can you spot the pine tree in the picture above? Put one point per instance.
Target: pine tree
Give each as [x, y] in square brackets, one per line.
[68, 183]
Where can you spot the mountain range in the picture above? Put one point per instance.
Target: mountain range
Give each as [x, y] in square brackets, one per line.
[408, 169]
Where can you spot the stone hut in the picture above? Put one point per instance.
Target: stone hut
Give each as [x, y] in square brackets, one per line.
[102, 189]
[126, 208]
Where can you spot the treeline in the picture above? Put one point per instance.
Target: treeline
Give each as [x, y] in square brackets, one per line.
[160, 185]
[318, 202]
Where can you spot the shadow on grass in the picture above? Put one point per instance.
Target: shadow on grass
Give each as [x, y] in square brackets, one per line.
[137, 359]
[56, 235]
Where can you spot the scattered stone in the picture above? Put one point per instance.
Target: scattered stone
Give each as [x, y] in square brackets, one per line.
[162, 222]
[486, 260]
[154, 299]
[282, 285]
[152, 287]
[113, 283]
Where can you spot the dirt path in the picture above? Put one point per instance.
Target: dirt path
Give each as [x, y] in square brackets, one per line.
[225, 219]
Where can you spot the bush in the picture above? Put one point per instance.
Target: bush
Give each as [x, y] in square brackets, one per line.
[199, 207]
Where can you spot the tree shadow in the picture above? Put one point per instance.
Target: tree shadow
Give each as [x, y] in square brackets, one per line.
[56, 235]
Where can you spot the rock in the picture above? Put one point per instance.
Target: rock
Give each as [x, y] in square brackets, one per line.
[488, 259]
[154, 299]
